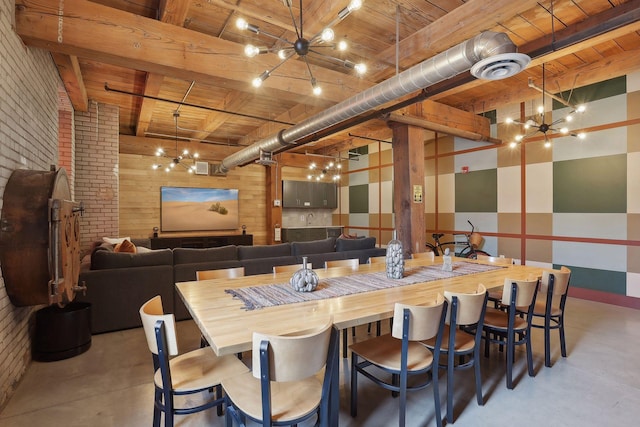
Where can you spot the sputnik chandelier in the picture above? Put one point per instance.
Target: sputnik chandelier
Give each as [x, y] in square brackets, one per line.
[537, 124]
[330, 169]
[302, 46]
[178, 159]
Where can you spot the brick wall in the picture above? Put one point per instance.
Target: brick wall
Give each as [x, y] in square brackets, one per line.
[96, 173]
[66, 136]
[28, 140]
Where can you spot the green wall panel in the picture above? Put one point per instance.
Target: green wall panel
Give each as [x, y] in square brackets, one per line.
[477, 191]
[592, 185]
[613, 282]
[359, 198]
[594, 92]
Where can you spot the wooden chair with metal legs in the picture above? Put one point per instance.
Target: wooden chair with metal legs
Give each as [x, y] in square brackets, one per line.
[429, 255]
[194, 372]
[284, 387]
[222, 273]
[463, 328]
[512, 327]
[402, 355]
[495, 296]
[292, 268]
[550, 302]
[352, 262]
[377, 259]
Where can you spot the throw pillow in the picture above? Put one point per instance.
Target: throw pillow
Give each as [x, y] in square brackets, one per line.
[125, 246]
[115, 240]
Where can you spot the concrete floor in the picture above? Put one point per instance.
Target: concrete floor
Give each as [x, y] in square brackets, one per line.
[598, 384]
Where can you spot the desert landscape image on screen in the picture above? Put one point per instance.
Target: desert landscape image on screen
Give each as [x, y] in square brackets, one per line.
[198, 209]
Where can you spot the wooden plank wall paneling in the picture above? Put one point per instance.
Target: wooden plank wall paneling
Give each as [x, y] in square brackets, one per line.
[140, 196]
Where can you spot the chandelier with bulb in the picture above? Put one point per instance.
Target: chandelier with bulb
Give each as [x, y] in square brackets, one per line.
[302, 46]
[178, 159]
[319, 173]
[538, 124]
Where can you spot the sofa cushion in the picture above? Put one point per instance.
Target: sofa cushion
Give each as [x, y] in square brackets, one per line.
[264, 251]
[125, 247]
[355, 244]
[190, 255]
[103, 260]
[314, 246]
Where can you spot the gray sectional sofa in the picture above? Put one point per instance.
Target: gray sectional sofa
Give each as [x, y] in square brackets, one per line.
[119, 283]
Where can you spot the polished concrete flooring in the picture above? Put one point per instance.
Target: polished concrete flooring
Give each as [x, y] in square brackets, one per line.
[598, 384]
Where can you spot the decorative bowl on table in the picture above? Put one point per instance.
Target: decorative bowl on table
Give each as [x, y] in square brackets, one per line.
[305, 279]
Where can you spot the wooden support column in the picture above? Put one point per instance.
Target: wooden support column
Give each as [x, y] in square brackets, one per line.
[274, 190]
[408, 186]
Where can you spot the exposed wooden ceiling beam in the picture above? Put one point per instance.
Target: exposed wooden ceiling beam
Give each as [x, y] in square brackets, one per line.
[71, 76]
[126, 40]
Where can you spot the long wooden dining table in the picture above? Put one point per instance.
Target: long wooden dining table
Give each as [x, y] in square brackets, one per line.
[228, 326]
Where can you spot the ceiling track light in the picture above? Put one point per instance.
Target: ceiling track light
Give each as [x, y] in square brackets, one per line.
[538, 124]
[302, 46]
[179, 158]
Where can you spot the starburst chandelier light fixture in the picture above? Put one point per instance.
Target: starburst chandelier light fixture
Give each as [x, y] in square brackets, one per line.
[178, 159]
[321, 172]
[303, 46]
[538, 122]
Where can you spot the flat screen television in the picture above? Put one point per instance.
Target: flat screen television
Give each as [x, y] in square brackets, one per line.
[198, 209]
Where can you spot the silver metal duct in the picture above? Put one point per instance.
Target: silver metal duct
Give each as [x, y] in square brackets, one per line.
[489, 55]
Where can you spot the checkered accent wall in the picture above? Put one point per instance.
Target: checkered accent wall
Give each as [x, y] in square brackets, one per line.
[576, 203]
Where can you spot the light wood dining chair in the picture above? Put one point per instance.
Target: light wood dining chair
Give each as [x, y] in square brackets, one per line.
[292, 268]
[496, 295]
[222, 273]
[463, 328]
[549, 308]
[352, 262]
[401, 355]
[284, 387]
[430, 255]
[194, 372]
[510, 325]
[377, 259]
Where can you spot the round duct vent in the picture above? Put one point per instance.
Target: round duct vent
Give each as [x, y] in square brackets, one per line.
[500, 66]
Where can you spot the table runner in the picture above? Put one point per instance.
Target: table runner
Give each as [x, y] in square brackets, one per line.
[255, 297]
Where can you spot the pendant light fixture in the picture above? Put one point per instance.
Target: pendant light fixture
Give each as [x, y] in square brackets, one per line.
[302, 46]
[178, 159]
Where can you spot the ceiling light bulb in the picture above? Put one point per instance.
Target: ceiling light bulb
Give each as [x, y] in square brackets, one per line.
[167, 169]
[190, 170]
[354, 5]
[309, 176]
[339, 166]
[547, 144]
[540, 109]
[282, 54]
[519, 137]
[330, 164]
[569, 118]
[155, 167]
[327, 35]
[159, 152]
[361, 68]
[336, 177]
[564, 130]
[312, 166]
[513, 144]
[242, 24]
[251, 51]
[257, 82]
[172, 164]
[318, 178]
[582, 135]
[581, 108]
[185, 152]
[342, 45]
[317, 90]
[196, 156]
[508, 120]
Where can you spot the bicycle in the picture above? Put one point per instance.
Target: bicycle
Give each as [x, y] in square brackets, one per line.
[471, 243]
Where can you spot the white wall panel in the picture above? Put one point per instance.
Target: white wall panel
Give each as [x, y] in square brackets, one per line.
[590, 225]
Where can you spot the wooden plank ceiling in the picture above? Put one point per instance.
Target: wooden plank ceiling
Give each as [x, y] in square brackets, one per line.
[191, 53]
